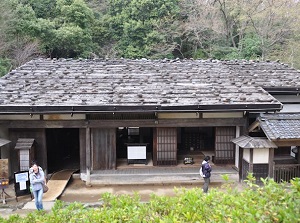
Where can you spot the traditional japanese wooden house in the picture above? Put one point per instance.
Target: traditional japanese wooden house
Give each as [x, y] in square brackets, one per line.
[88, 114]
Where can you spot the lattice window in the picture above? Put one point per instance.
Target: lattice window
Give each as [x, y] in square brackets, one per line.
[166, 146]
[260, 171]
[245, 169]
[225, 150]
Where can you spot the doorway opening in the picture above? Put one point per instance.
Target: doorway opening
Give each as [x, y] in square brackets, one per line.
[195, 142]
[62, 149]
[131, 136]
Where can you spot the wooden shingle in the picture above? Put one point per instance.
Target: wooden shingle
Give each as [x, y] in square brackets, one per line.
[164, 83]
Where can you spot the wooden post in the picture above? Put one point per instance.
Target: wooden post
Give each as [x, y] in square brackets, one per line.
[271, 162]
[154, 146]
[251, 161]
[88, 156]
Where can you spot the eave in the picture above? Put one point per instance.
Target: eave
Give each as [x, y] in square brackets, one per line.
[283, 90]
[87, 109]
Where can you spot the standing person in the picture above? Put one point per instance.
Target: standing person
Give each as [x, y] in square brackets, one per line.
[205, 173]
[37, 179]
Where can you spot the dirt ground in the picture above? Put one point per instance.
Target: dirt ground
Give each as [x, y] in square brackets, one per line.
[78, 191]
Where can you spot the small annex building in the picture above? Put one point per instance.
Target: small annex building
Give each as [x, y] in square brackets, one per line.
[89, 114]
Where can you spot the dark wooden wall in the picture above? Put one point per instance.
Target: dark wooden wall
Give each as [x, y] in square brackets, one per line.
[103, 148]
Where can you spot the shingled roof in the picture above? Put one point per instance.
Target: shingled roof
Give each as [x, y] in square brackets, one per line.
[48, 85]
[281, 126]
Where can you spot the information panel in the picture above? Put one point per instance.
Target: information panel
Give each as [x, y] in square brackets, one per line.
[22, 183]
[136, 153]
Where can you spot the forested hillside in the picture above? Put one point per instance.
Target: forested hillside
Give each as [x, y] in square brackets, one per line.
[220, 29]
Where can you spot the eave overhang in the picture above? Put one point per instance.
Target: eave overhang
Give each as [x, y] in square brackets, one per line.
[4, 142]
[283, 90]
[87, 109]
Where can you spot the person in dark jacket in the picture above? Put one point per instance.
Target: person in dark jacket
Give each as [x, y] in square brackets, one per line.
[206, 169]
[37, 179]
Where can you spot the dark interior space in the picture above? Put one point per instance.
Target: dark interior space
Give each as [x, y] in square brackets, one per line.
[196, 139]
[282, 155]
[62, 149]
[133, 135]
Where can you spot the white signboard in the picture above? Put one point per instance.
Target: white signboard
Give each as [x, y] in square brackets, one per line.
[136, 152]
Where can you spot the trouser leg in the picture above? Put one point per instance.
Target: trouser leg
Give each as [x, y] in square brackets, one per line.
[38, 196]
[206, 184]
[35, 195]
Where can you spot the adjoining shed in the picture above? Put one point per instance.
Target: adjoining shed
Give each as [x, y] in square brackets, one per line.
[283, 130]
[258, 154]
[83, 113]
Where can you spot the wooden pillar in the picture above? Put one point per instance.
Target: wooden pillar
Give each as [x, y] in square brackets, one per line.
[88, 156]
[154, 146]
[237, 150]
[243, 131]
[271, 162]
[241, 155]
[251, 161]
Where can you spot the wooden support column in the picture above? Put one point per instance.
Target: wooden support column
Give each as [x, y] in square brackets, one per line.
[237, 148]
[271, 162]
[88, 156]
[251, 161]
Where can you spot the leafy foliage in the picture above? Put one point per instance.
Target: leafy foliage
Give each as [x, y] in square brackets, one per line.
[5, 64]
[271, 202]
[134, 25]
[221, 29]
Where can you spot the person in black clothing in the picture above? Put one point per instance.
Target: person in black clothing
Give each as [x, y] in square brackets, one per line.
[206, 169]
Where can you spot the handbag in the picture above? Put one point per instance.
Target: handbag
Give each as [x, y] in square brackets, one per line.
[45, 188]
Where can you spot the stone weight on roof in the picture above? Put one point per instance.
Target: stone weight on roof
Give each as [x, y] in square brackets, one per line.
[121, 82]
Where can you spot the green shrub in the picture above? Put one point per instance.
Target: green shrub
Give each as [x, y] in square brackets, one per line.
[5, 65]
[270, 202]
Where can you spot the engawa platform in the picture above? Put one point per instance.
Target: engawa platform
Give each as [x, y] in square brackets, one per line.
[160, 176]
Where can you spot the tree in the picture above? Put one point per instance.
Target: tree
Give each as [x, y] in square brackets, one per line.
[271, 22]
[201, 28]
[71, 35]
[136, 26]
[18, 45]
[43, 8]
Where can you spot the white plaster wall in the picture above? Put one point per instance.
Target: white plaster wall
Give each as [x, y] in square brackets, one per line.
[246, 155]
[260, 156]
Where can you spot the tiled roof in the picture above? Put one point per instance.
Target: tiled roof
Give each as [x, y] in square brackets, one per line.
[248, 142]
[280, 126]
[164, 83]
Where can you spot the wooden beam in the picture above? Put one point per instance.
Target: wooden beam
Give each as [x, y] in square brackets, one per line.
[210, 122]
[284, 143]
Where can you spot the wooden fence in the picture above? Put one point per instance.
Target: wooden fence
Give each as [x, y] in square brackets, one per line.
[286, 172]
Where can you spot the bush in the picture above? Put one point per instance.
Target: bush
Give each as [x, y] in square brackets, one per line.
[5, 66]
[271, 202]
